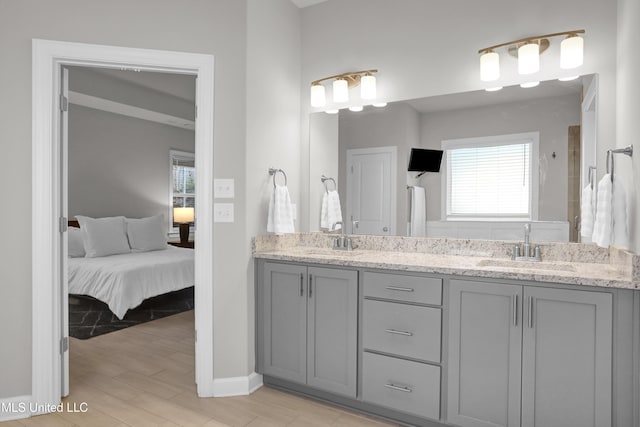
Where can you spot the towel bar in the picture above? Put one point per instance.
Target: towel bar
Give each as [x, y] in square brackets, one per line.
[273, 172]
[628, 150]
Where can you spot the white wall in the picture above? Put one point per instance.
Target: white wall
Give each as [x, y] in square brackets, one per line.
[216, 27]
[629, 111]
[549, 116]
[430, 48]
[119, 165]
[273, 127]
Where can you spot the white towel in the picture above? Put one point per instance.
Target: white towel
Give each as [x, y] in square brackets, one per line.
[603, 225]
[619, 205]
[280, 219]
[418, 212]
[587, 214]
[331, 210]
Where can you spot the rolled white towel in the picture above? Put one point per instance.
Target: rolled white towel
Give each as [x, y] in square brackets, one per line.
[603, 225]
[619, 212]
[587, 214]
[280, 220]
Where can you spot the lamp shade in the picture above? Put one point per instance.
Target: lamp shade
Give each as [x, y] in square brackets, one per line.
[317, 95]
[183, 215]
[489, 67]
[571, 52]
[368, 87]
[340, 90]
[529, 58]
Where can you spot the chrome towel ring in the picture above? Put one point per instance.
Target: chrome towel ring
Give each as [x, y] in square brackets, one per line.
[273, 172]
[324, 180]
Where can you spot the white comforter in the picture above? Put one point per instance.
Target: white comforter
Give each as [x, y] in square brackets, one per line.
[124, 281]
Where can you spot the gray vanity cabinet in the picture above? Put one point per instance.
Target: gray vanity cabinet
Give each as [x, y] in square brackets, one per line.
[310, 326]
[528, 356]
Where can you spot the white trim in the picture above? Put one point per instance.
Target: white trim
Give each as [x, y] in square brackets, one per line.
[490, 141]
[15, 408]
[236, 386]
[102, 104]
[47, 59]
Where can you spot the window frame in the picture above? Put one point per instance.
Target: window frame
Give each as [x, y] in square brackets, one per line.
[492, 141]
[173, 154]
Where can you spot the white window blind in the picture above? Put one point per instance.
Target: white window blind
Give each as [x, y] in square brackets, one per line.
[183, 179]
[489, 178]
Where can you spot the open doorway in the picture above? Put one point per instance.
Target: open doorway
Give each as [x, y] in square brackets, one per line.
[49, 211]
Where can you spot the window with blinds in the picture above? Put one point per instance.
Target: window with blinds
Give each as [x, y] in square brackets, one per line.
[183, 183]
[491, 177]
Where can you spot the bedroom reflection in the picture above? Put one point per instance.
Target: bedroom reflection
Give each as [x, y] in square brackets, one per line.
[131, 145]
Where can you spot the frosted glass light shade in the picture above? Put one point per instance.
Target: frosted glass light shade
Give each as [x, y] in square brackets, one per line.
[317, 96]
[529, 58]
[183, 215]
[368, 87]
[340, 90]
[489, 67]
[332, 111]
[571, 52]
[528, 85]
[356, 108]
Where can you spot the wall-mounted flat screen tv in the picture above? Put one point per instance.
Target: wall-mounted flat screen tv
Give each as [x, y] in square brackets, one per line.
[424, 160]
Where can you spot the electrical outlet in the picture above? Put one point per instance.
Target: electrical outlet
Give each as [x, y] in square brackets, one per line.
[223, 188]
[223, 212]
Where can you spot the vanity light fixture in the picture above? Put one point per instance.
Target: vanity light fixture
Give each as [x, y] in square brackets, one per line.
[568, 79]
[528, 51]
[341, 85]
[379, 104]
[493, 89]
[356, 108]
[332, 111]
[529, 85]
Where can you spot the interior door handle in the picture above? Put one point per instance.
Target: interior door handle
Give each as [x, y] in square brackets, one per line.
[385, 229]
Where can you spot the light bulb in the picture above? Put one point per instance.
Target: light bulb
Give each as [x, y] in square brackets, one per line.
[489, 67]
[317, 95]
[529, 58]
[340, 90]
[571, 52]
[368, 87]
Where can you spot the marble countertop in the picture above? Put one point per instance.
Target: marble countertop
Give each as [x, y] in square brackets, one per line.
[573, 273]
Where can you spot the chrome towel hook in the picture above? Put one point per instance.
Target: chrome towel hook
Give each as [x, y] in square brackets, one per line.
[273, 172]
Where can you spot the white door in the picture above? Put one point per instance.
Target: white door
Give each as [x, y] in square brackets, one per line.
[64, 250]
[371, 191]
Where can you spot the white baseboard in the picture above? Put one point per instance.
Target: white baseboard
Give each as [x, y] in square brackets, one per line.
[233, 386]
[15, 408]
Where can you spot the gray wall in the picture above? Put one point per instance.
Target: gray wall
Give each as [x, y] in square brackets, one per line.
[119, 165]
[395, 125]
[629, 111]
[216, 27]
[549, 116]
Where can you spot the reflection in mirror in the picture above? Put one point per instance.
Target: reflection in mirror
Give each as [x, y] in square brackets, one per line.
[536, 131]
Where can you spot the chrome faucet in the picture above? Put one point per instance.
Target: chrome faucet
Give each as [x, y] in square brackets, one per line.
[343, 242]
[526, 248]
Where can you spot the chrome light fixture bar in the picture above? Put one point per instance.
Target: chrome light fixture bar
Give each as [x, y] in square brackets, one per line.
[528, 51]
[341, 85]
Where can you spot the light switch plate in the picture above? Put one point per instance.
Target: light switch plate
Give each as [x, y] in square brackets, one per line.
[223, 212]
[223, 188]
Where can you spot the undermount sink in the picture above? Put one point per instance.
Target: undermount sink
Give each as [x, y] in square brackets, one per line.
[525, 264]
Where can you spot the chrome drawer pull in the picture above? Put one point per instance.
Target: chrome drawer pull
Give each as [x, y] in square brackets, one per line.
[398, 388]
[399, 288]
[405, 333]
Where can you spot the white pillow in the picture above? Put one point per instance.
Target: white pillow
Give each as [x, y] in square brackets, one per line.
[104, 236]
[76, 244]
[146, 234]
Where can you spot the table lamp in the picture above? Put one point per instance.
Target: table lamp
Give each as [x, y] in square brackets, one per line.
[184, 217]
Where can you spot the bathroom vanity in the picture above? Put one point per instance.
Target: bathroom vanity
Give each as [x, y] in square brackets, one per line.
[444, 332]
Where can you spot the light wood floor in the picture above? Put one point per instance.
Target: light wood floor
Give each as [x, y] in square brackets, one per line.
[144, 376]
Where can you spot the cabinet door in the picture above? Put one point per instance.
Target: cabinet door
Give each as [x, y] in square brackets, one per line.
[332, 330]
[485, 338]
[566, 360]
[285, 321]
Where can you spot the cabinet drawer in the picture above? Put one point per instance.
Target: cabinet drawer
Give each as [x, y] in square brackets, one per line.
[402, 329]
[402, 385]
[425, 290]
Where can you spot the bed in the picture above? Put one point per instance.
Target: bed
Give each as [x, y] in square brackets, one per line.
[124, 280]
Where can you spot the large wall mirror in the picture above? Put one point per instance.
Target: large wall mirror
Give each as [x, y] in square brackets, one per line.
[367, 154]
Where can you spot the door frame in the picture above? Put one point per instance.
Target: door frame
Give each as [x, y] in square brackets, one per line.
[393, 177]
[48, 57]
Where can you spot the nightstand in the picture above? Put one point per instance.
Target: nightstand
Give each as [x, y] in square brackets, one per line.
[190, 244]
